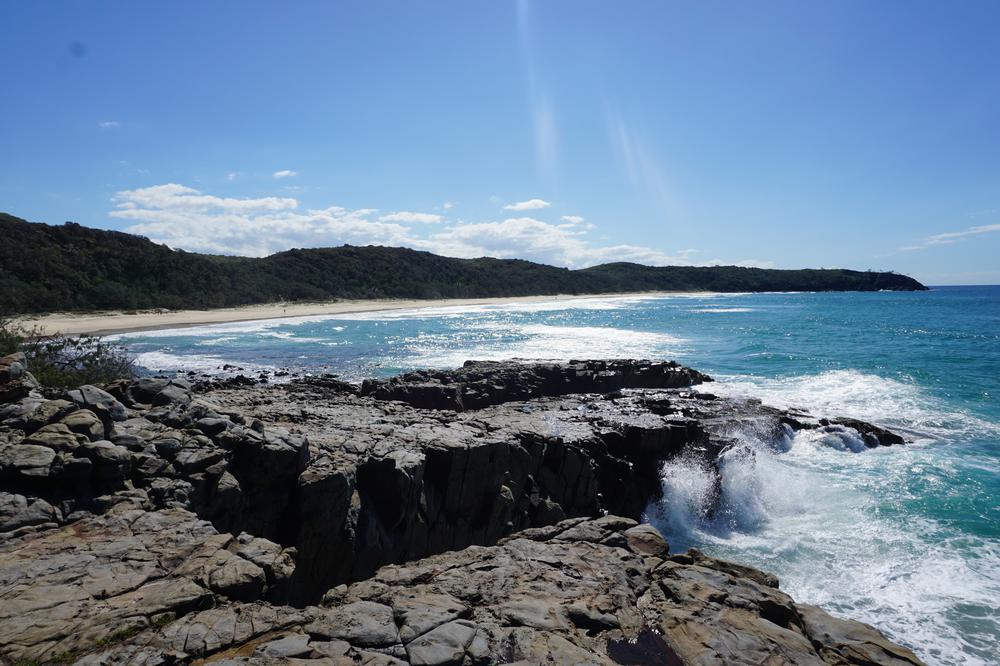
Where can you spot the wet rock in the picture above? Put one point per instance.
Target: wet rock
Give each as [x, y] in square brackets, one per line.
[846, 641]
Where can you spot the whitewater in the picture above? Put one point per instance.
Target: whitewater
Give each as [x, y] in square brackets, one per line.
[905, 538]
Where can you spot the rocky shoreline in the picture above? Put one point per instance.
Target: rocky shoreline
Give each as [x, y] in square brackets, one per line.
[484, 515]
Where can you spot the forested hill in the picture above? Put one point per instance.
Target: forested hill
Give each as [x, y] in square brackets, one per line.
[47, 268]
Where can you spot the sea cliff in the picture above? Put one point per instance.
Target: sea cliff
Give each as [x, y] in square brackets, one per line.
[490, 514]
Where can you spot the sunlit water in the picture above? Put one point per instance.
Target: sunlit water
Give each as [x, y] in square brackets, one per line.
[905, 538]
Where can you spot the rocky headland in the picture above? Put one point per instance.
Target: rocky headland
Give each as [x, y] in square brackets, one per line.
[490, 514]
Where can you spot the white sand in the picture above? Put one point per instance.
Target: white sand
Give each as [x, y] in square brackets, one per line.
[104, 323]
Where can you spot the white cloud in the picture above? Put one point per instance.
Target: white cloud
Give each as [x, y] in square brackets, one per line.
[285, 173]
[231, 176]
[950, 237]
[448, 205]
[109, 124]
[530, 204]
[183, 217]
[407, 216]
[528, 238]
[572, 219]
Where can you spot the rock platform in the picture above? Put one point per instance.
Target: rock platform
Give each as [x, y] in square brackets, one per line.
[482, 515]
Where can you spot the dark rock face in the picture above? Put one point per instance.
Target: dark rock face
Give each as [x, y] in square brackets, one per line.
[480, 384]
[238, 495]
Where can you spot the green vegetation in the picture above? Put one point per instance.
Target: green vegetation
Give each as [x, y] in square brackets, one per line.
[119, 636]
[63, 362]
[47, 268]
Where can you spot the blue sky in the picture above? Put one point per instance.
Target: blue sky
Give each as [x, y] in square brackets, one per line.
[788, 134]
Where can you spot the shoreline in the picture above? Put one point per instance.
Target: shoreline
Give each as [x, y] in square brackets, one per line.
[116, 321]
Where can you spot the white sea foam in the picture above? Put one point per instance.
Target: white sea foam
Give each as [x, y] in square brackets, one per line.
[163, 361]
[232, 328]
[720, 310]
[891, 402]
[453, 311]
[543, 342]
[828, 516]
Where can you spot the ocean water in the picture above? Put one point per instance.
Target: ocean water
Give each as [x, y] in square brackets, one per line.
[905, 538]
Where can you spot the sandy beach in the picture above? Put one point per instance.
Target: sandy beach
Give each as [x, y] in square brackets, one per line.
[110, 322]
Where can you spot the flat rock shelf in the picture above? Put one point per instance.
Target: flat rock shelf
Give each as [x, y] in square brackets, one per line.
[486, 515]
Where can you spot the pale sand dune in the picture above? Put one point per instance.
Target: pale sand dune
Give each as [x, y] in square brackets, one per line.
[104, 323]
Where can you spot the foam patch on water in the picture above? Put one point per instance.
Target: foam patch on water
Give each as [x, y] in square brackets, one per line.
[499, 342]
[721, 310]
[889, 402]
[164, 361]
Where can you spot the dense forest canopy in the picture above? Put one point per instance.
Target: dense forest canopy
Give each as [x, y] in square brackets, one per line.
[45, 268]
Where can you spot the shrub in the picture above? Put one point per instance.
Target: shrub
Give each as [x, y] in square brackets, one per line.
[59, 361]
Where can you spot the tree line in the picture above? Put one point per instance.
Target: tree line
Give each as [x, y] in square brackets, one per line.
[69, 267]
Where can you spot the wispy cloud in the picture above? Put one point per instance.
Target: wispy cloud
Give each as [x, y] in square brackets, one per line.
[530, 204]
[407, 216]
[285, 173]
[950, 237]
[184, 217]
[542, 107]
[231, 176]
[448, 205]
[643, 169]
[109, 124]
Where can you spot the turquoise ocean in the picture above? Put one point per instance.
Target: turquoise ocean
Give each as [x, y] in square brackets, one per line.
[905, 538]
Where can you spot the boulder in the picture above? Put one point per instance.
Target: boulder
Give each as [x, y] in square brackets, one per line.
[100, 402]
[13, 367]
[25, 462]
[58, 437]
[86, 423]
[17, 511]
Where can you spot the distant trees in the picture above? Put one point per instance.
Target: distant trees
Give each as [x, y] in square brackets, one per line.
[46, 268]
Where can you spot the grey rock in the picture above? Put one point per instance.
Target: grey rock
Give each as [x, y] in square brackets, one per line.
[456, 642]
[57, 437]
[847, 641]
[12, 367]
[17, 511]
[111, 464]
[362, 623]
[26, 461]
[43, 414]
[100, 402]
[293, 645]
[86, 423]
